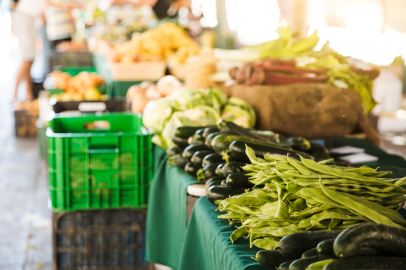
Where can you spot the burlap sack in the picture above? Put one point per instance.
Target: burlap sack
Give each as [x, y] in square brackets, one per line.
[307, 110]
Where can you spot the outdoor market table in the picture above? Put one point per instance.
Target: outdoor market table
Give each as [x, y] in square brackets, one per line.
[204, 244]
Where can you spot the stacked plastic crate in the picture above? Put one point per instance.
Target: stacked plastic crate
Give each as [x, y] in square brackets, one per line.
[100, 167]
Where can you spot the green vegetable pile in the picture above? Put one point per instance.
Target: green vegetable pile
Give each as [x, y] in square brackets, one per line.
[302, 53]
[193, 108]
[295, 196]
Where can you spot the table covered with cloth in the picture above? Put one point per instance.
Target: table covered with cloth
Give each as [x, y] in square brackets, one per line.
[204, 244]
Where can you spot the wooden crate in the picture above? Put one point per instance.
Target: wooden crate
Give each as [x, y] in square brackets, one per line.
[137, 71]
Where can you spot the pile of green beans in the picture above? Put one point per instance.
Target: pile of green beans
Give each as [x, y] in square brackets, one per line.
[293, 196]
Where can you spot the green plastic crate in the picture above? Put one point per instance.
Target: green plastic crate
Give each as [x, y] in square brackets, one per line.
[73, 71]
[97, 168]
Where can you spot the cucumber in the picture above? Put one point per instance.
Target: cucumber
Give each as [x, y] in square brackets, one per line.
[209, 139]
[219, 169]
[262, 149]
[367, 263]
[181, 142]
[310, 253]
[174, 150]
[216, 180]
[191, 149]
[210, 170]
[185, 132]
[219, 192]
[177, 161]
[239, 179]
[325, 248]
[285, 265]
[209, 130]
[388, 239]
[191, 168]
[321, 264]
[198, 157]
[301, 264]
[212, 158]
[233, 167]
[294, 245]
[270, 258]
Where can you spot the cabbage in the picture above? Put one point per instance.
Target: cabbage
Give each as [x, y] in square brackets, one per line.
[239, 112]
[199, 116]
[156, 114]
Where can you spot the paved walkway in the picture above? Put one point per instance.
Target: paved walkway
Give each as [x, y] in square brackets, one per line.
[25, 220]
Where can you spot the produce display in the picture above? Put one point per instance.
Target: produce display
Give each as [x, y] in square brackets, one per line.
[140, 95]
[195, 108]
[299, 195]
[168, 42]
[215, 154]
[83, 86]
[362, 246]
[285, 60]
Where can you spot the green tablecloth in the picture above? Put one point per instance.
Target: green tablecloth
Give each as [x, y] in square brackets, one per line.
[166, 220]
[114, 88]
[207, 245]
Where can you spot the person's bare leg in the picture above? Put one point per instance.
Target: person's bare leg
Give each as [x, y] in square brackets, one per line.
[24, 74]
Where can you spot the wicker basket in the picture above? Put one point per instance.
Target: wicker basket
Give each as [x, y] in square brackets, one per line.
[137, 71]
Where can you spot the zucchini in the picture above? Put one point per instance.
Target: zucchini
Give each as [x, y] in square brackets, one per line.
[185, 132]
[388, 239]
[321, 264]
[219, 192]
[209, 130]
[296, 143]
[177, 161]
[294, 245]
[233, 167]
[198, 157]
[239, 179]
[231, 128]
[301, 264]
[199, 134]
[270, 258]
[181, 142]
[367, 263]
[216, 180]
[261, 150]
[210, 170]
[212, 158]
[209, 139]
[174, 150]
[325, 248]
[223, 183]
[193, 141]
[232, 156]
[191, 168]
[191, 149]
[318, 152]
[310, 253]
[222, 142]
[285, 265]
[219, 169]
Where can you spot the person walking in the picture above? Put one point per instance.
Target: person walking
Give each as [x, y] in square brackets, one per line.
[24, 15]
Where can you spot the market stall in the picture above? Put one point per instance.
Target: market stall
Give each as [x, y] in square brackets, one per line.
[204, 243]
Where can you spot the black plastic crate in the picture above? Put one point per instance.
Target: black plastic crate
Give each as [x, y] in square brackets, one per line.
[100, 240]
[111, 105]
[71, 59]
[25, 123]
